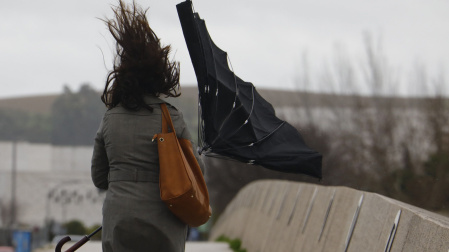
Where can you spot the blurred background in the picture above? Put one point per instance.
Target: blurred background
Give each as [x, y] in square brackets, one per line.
[365, 84]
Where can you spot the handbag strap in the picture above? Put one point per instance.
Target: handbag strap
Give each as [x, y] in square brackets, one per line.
[166, 119]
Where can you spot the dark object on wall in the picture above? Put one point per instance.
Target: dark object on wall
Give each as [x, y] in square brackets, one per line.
[235, 121]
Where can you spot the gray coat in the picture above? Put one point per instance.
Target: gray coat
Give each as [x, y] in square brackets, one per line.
[125, 162]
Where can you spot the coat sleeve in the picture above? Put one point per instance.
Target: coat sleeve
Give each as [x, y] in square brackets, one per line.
[100, 163]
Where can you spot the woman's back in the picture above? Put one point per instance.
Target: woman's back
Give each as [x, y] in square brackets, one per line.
[128, 136]
[134, 217]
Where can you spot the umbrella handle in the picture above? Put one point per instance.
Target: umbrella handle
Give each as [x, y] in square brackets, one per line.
[74, 247]
[61, 243]
[78, 244]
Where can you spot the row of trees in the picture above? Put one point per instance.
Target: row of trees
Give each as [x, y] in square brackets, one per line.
[19, 125]
[74, 120]
[76, 116]
[379, 141]
[76, 227]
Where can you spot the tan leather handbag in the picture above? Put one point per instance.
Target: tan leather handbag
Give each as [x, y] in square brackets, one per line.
[181, 181]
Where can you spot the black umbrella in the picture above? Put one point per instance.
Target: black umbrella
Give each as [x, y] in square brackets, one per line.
[235, 121]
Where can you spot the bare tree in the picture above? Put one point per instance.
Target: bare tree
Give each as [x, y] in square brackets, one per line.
[378, 140]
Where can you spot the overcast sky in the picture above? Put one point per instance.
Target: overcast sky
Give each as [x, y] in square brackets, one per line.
[46, 44]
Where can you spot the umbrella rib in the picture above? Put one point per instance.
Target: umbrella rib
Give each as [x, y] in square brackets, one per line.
[209, 40]
[252, 109]
[235, 98]
[244, 123]
[200, 121]
[251, 144]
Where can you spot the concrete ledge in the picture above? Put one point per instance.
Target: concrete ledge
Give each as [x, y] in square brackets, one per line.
[272, 215]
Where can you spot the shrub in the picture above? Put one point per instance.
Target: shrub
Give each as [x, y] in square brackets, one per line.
[234, 244]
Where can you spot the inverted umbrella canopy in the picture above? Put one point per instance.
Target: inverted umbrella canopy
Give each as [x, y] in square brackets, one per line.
[235, 121]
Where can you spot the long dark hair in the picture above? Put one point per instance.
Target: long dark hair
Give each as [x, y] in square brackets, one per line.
[141, 64]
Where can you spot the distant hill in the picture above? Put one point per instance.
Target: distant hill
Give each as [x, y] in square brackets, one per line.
[41, 104]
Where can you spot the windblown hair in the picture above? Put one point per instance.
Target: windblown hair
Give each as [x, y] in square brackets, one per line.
[141, 64]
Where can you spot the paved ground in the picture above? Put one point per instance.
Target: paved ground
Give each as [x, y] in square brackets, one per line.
[94, 246]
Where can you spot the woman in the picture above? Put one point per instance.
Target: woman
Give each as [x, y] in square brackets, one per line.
[125, 160]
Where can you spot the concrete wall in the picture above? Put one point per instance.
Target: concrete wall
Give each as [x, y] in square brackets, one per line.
[285, 216]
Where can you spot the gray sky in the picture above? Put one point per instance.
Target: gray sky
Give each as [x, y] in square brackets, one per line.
[48, 43]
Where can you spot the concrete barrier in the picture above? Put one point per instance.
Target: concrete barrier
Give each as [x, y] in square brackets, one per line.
[282, 216]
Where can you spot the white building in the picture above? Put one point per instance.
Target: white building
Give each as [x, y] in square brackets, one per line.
[51, 182]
